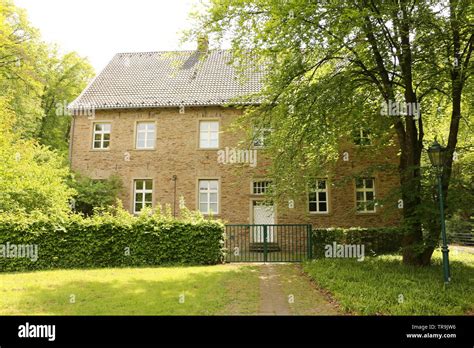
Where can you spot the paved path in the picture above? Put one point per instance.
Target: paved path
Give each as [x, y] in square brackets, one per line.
[285, 290]
[462, 248]
[272, 299]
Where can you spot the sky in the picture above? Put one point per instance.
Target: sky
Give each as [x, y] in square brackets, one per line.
[97, 29]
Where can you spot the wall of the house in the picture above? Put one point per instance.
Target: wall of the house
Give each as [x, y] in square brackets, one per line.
[177, 153]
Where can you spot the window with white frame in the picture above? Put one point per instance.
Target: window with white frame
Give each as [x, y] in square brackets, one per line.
[261, 187]
[318, 196]
[209, 134]
[365, 194]
[261, 136]
[362, 137]
[101, 136]
[142, 194]
[209, 196]
[145, 135]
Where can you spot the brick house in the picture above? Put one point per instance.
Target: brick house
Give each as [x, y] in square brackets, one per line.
[159, 122]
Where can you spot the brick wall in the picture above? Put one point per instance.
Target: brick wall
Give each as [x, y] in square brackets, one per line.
[177, 153]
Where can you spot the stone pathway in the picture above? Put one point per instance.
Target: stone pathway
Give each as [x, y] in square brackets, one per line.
[285, 290]
[272, 299]
[462, 248]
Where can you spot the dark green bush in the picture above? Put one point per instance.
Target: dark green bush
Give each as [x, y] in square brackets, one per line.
[111, 241]
[382, 240]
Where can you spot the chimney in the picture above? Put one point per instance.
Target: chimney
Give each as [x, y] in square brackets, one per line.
[203, 43]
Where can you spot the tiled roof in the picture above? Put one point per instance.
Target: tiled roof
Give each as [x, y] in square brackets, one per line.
[168, 79]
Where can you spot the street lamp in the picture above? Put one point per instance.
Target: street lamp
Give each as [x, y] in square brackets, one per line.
[438, 156]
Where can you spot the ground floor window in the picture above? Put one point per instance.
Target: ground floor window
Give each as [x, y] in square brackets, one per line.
[142, 194]
[209, 196]
[318, 196]
[362, 137]
[365, 194]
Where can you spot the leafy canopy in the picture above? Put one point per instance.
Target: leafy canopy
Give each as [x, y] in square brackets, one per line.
[32, 177]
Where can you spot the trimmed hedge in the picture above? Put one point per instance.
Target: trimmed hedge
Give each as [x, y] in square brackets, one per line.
[382, 240]
[111, 241]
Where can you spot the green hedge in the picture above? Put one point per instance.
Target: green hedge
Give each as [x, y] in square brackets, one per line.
[376, 241]
[111, 241]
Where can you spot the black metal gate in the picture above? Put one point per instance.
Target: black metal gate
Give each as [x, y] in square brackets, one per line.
[268, 243]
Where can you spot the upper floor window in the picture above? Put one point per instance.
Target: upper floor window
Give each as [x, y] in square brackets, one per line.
[318, 196]
[145, 135]
[142, 194]
[209, 196]
[209, 134]
[101, 136]
[365, 194]
[261, 187]
[261, 136]
[362, 137]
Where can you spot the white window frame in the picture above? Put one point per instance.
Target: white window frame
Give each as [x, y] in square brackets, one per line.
[143, 191]
[102, 134]
[205, 134]
[259, 136]
[207, 191]
[260, 187]
[364, 190]
[316, 191]
[147, 133]
[361, 137]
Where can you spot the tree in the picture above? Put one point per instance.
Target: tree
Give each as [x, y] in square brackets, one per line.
[20, 53]
[32, 178]
[95, 194]
[64, 79]
[38, 81]
[335, 64]
[36, 84]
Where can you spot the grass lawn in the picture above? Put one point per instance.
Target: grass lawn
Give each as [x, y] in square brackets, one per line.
[207, 290]
[306, 299]
[382, 285]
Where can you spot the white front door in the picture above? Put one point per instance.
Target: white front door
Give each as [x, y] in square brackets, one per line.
[263, 214]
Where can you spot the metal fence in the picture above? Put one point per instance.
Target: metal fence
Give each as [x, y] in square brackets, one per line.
[466, 238]
[268, 243]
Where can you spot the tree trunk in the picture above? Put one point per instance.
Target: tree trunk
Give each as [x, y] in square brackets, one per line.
[457, 84]
[412, 242]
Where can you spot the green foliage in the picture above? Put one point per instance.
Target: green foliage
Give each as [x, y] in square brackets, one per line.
[376, 241]
[36, 84]
[21, 54]
[384, 286]
[38, 81]
[64, 78]
[95, 194]
[458, 229]
[32, 178]
[332, 67]
[112, 239]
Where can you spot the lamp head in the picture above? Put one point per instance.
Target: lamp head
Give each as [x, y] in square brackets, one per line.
[437, 154]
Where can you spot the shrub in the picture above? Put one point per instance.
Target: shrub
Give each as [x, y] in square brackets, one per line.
[32, 177]
[95, 194]
[111, 240]
[460, 229]
[378, 241]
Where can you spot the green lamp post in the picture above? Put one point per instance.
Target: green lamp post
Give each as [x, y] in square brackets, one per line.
[438, 156]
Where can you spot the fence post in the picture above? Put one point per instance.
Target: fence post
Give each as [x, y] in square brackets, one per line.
[310, 242]
[265, 243]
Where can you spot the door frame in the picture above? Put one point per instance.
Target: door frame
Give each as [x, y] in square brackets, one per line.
[252, 217]
[270, 229]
